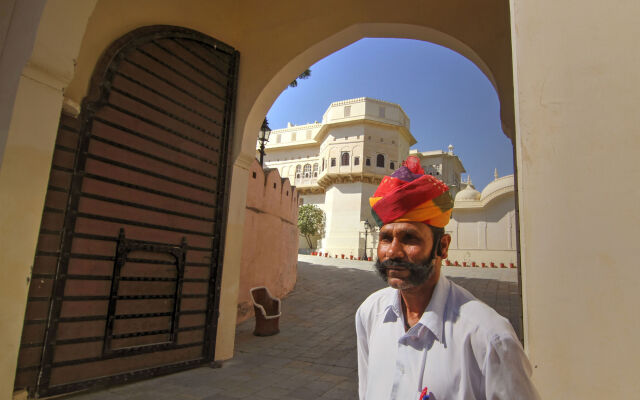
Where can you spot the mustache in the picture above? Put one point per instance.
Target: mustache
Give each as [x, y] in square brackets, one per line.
[398, 264]
[418, 272]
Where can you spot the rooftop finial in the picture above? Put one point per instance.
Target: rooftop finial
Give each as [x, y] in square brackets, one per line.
[450, 149]
[495, 173]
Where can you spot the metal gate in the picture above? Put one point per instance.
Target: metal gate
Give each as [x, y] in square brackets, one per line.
[136, 287]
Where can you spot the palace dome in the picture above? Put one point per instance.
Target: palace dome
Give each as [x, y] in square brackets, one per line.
[468, 193]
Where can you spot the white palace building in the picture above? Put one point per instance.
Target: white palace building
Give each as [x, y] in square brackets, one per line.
[337, 164]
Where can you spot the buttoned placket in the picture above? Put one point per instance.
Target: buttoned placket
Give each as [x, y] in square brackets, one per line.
[403, 354]
[422, 335]
[399, 370]
[416, 334]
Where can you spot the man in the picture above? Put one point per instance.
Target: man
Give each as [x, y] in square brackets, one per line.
[425, 337]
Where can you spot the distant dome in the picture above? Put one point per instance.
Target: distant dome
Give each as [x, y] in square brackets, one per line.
[468, 193]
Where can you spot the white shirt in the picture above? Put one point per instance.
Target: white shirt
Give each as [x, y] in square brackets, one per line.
[460, 349]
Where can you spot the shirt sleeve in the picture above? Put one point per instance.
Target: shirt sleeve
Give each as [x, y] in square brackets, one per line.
[508, 371]
[363, 355]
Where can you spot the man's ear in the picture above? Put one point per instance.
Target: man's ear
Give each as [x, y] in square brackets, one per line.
[445, 241]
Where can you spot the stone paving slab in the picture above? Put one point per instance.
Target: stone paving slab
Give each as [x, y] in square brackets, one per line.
[314, 355]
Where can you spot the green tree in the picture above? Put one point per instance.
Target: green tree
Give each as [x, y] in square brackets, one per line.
[311, 221]
[306, 74]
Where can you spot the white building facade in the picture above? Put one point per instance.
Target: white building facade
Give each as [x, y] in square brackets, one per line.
[337, 165]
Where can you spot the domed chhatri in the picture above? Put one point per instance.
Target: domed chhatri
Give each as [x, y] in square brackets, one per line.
[468, 193]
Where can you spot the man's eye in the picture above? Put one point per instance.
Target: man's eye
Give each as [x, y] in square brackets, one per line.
[411, 239]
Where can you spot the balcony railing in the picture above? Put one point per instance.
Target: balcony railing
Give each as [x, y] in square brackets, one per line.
[301, 182]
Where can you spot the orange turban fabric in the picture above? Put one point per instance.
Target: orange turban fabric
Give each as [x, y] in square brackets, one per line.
[408, 195]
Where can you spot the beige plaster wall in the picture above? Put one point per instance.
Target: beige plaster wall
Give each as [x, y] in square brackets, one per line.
[270, 240]
[230, 284]
[18, 29]
[576, 71]
[25, 169]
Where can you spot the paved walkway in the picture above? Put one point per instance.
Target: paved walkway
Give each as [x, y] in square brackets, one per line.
[314, 355]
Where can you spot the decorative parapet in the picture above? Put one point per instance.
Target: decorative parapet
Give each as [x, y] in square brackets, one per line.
[305, 135]
[296, 128]
[360, 100]
[339, 113]
[271, 194]
[300, 182]
[330, 179]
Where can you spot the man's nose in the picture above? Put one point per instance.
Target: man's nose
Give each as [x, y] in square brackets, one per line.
[395, 251]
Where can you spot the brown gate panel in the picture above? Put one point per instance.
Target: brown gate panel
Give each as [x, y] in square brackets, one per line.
[137, 246]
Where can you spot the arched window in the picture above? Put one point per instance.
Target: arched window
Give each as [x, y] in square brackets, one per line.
[298, 170]
[315, 170]
[392, 165]
[380, 161]
[307, 170]
[323, 164]
[344, 159]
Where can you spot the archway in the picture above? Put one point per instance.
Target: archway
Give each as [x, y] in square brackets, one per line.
[353, 33]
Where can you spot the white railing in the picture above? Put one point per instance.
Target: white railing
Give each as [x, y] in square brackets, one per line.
[299, 182]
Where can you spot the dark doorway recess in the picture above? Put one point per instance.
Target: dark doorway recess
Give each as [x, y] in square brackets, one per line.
[132, 234]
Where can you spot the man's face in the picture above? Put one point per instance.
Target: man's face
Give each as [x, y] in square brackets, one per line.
[403, 254]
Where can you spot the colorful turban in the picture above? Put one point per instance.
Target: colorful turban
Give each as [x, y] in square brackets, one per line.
[408, 195]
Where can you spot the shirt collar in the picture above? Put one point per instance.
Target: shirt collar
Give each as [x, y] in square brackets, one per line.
[433, 316]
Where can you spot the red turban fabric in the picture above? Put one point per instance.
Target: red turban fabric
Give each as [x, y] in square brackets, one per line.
[410, 195]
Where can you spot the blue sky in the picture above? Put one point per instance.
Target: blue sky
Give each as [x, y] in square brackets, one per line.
[448, 99]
